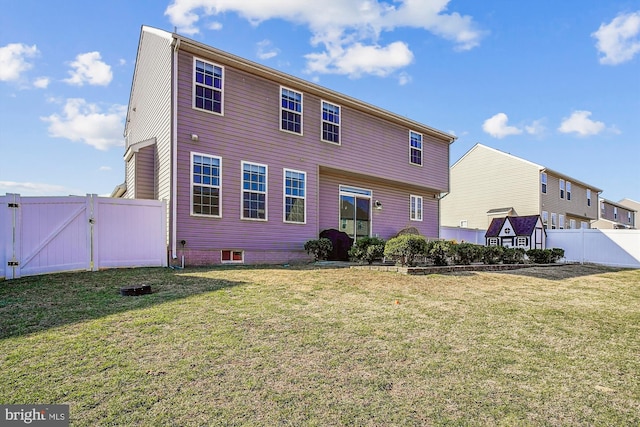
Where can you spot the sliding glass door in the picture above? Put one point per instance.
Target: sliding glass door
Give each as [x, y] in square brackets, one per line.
[355, 211]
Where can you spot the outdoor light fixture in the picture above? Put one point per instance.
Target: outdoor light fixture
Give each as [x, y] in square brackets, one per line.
[194, 137]
[378, 204]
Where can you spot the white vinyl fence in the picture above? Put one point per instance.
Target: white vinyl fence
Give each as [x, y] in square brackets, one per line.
[615, 248]
[50, 234]
[459, 234]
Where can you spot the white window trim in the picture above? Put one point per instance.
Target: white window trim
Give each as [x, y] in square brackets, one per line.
[568, 188]
[554, 219]
[561, 221]
[322, 121]
[266, 192]
[193, 153]
[588, 197]
[193, 87]
[543, 181]
[284, 196]
[562, 188]
[413, 217]
[232, 261]
[421, 149]
[301, 111]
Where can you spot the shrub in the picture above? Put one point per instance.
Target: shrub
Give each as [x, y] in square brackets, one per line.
[319, 248]
[466, 253]
[545, 256]
[492, 254]
[439, 251]
[513, 256]
[405, 248]
[556, 254]
[367, 249]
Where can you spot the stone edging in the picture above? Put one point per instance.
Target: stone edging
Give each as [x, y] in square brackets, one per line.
[448, 268]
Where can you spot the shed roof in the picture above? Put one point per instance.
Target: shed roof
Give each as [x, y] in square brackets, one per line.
[521, 225]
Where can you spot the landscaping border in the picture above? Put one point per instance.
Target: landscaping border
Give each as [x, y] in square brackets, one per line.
[449, 268]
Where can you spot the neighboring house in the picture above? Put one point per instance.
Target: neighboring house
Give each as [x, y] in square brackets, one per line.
[633, 206]
[614, 215]
[254, 162]
[526, 232]
[487, 183]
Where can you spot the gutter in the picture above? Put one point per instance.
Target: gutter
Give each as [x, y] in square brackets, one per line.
[174, 148]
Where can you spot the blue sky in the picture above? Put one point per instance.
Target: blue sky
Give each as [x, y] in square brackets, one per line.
[554, 82]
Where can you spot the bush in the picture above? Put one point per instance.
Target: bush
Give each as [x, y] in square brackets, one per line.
[556, 254]
[439, 251]
[513, 256]
[492, 254]
[545, 256]
[466, 253]
[319, 248]
[405, 248]
[367, 249]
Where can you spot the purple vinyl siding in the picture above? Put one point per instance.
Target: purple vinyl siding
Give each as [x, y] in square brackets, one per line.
[374, 151]
[373, 154]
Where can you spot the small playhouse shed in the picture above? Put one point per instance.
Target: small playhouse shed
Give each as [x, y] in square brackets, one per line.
[524, 232]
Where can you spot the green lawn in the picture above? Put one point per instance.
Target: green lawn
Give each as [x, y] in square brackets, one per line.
[328, 346]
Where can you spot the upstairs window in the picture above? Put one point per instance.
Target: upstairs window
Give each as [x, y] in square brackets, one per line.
[543, 181]
[602, 208]
[588, 197]
[205, 185]
[254, 191]
[294, 196]
[568, 190]
[330, 122]
[290, 110]
[629, 217]
[615, 213]
[207, 86]
[416, 208]
[562, 188]
[415, 148]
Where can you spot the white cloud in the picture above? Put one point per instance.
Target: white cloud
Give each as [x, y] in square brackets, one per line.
[34, 189]
[535, 128]
[266, 50]
[404, 78]
[342, 27]
[13, 58]
[215, 26]
[88, 68]
[497, 126]
[41, 82]
[580, 123]
[81, 121]
[104, 168]
[619, 40]
[358, 59]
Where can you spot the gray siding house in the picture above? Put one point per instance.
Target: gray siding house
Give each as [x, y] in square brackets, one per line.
[614, 215]
[487, 183]
[254, 162]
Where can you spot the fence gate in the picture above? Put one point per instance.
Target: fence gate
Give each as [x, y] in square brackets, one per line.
[50, 234]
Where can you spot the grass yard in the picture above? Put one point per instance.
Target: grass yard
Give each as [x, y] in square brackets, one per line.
[274, 346]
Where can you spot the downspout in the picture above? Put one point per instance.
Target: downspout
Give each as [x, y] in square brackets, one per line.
[174, 148]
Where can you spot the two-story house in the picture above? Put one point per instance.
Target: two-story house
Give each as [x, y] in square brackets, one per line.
[614, 215]
[254, 162]
[487, 183]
